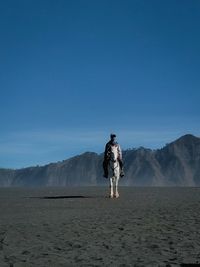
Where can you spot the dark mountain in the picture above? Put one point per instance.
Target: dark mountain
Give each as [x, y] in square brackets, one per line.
[176, 164]
[180, 161]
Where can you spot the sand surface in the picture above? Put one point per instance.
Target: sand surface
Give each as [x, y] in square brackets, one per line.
[83, 227]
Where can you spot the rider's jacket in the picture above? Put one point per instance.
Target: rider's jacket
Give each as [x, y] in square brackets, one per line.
[108, 150]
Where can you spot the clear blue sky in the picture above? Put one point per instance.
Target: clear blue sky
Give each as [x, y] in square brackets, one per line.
[73, 71]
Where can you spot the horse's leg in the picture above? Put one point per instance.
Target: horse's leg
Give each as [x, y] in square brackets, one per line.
[111, 187]
[116, 185]
[116, 189]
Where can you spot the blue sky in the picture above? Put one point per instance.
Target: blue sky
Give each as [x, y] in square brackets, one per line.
[71, 72]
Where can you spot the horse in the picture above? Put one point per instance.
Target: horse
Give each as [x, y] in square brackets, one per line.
[114, 168]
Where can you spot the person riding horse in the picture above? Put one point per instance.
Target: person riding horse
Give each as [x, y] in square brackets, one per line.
[112, 142]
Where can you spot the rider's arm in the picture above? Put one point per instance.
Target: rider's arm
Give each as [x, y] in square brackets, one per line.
[106, 151]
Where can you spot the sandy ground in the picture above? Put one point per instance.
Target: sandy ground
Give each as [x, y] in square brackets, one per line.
[83, 227]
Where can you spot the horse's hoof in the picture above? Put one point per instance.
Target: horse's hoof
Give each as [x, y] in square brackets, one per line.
[117, 195]
[111, 196]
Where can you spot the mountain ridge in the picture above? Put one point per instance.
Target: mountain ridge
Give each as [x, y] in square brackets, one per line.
[176, 164]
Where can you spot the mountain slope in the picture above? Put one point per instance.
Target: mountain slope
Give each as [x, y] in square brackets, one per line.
[176, 164]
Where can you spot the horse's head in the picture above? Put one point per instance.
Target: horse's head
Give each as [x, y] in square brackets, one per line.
[114, 163]
[114, 154]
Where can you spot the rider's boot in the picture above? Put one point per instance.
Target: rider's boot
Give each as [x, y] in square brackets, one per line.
[122, 173]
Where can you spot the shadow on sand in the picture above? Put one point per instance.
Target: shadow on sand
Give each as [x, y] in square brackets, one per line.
[66, 197]
[59, 197]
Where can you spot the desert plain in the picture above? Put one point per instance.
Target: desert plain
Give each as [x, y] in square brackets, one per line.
[82, 226]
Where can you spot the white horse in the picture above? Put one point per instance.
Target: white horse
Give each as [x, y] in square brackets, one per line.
[115, 170]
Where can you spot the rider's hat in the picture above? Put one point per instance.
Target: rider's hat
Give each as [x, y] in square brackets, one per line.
[112, 135]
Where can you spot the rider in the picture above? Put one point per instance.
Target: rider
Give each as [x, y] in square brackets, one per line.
[107, 156]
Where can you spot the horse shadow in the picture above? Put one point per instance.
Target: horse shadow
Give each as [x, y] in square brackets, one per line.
[68, 197]
[61, 197]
